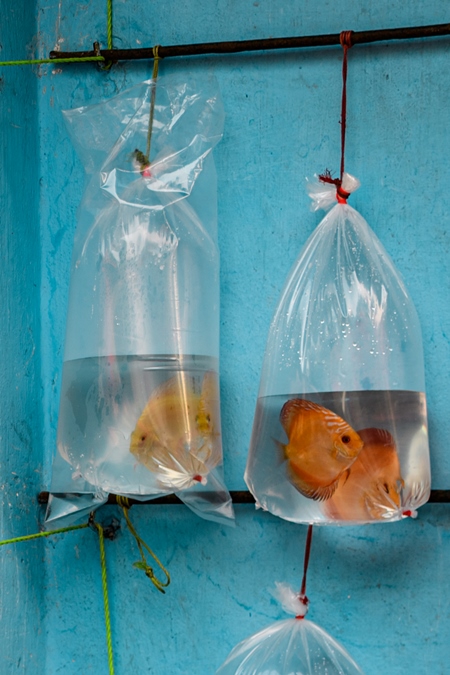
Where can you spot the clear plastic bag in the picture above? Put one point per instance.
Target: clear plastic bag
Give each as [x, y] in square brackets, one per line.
[291, 647]
[140, 406]
[340, 429]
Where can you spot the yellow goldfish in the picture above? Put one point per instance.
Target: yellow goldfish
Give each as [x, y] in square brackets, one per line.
[177, 435]
[321, 447]
[372, 489]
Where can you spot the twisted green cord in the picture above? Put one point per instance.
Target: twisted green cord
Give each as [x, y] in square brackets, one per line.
[142, 564]
[109, 23]
[105, 599]
[71, 528]
[79, 59]
[156, 58]
[37, 535]
[30, 62]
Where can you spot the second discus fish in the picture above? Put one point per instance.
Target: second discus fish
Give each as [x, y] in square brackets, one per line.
[373, 488]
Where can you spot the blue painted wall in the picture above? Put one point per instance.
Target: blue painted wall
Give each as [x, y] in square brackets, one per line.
[22, 571]
[383, 591]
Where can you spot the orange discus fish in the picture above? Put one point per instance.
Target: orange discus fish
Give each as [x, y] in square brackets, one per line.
[372, 490]
[321, 447]
[178, 434]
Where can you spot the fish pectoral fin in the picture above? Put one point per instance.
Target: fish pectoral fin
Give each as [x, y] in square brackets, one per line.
[319, 493]
[280, 446]
[325, 492]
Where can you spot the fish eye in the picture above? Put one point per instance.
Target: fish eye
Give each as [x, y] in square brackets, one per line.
[346, 439]
[143, 438]
[208, 418]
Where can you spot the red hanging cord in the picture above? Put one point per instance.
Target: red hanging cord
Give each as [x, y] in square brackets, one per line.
[345, 39]
[302, 596]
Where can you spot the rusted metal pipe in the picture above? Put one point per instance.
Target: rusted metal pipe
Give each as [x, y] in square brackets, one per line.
[358, 38]
[237, 496]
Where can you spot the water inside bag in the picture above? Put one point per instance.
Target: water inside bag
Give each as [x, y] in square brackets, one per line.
[141, 424]
[388, 479]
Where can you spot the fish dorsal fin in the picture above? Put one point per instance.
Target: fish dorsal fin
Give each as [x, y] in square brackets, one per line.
[208, 403]
[210, 388]
[292, 408]
[177, 386]
[376, 436]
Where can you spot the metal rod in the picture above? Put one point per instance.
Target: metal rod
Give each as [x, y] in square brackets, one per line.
[237, 496]
[358, 37]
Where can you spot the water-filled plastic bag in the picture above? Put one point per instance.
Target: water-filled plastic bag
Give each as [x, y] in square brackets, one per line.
[140, 408]
[340, 429]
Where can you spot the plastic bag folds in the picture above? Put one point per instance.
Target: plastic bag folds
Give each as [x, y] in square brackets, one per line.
[140, 406]
[290, 647]
[340, 428]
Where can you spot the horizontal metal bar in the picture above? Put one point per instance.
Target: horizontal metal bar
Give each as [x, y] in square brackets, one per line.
[237, 496]
[439, 497]
[358, 38]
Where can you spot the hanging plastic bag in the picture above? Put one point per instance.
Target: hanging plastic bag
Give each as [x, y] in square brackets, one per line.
[291, 647]
[340, 429]
[140, 408]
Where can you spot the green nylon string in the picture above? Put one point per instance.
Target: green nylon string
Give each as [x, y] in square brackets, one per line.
[71, 528]
[109, 23]
[109, 32]
[79, 59]
[142, 564]
[105, 599]
[30, 62]
[156, 58]
[37, 535]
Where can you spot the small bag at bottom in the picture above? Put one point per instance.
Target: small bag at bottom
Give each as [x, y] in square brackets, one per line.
[290, 647]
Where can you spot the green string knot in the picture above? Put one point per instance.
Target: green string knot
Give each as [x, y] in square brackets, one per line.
[149, 573]
[142, 564]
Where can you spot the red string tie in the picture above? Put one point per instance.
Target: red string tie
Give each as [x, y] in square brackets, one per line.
[304, 600]
[342, 195]
[345, 38]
